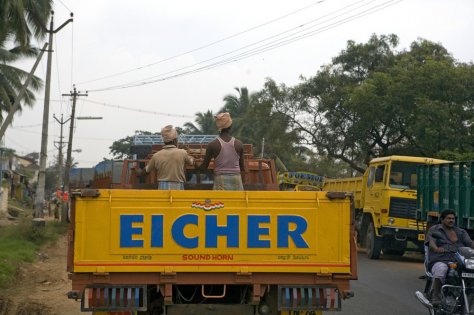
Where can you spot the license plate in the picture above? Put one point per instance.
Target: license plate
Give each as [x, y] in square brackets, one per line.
[421, 237]
[467, 275]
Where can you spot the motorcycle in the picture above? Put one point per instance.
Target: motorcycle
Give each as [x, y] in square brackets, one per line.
[457, 292]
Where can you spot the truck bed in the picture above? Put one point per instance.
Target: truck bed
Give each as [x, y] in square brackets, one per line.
[178, 231]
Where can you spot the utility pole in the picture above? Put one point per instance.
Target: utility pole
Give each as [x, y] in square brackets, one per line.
[39, 200]
[60, 147]
[74, 95]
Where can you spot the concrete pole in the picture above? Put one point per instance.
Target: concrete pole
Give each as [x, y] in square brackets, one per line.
[60, 153]
[74, 95]
[39, 200]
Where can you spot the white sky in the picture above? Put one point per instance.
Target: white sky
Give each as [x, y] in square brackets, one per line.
[110, 37]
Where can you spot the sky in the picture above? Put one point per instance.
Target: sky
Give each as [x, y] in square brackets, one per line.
[145, 64]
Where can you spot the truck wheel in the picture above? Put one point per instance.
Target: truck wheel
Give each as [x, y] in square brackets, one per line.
[374, 243]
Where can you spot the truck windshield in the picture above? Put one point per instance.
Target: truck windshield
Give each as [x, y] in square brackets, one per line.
[403, 175]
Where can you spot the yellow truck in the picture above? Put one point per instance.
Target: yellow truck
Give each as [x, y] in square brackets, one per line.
[299, 181]
[385, 201]
[137, 250]
[154, 252]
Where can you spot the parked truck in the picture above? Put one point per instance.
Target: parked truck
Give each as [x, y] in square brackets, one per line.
[386, 204]
[447, 185]
[299, 181]
[138, 250]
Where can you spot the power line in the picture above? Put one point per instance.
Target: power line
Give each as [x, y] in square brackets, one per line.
[140, 82]
[258, 50]
[137, 110]
[65, 6]
[206, 45]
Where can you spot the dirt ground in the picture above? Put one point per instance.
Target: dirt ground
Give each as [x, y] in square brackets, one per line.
[40, 288]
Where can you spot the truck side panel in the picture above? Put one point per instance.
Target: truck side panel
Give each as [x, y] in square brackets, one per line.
[353, 185]
[180, 231]
[447, 185]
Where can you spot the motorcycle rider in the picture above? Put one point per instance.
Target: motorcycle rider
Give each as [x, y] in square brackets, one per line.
[440, 249]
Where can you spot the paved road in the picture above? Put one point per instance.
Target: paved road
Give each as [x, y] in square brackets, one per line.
[386, 287]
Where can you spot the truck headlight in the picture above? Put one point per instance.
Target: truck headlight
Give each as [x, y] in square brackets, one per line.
[469, 263]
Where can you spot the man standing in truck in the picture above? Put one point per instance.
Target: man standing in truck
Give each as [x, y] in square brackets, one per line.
[440, 238]
[170, 161]
[228, 154]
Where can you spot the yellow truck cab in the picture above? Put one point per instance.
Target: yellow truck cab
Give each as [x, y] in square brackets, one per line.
[385, 202]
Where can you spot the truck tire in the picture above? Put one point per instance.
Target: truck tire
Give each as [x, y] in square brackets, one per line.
[374, 243]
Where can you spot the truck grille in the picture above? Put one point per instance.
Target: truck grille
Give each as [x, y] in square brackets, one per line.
[402, 208]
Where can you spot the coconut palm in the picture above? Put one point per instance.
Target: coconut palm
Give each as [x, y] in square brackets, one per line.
[204, 124]
[240, 109]
[20, 22]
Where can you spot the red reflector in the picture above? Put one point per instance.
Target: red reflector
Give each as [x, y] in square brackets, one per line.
[384, 211]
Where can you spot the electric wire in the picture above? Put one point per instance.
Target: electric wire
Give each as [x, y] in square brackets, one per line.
[65, 6]
[72, 55]
[57, 136]
[136, 109]
[204, 46]
[57, 72]
[252, 52]
[257, 48]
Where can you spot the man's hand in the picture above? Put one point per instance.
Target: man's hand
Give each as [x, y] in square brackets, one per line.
[440, 250]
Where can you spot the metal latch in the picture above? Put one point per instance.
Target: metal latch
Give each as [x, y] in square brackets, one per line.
[86, 192]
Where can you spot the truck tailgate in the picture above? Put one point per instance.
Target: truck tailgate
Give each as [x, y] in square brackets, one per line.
[211, 231]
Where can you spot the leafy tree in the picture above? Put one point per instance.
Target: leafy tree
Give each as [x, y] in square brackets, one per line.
[373, 101]
[120, 149]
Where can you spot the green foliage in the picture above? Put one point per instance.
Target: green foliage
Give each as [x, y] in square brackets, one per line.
[120, 149]
[455, 156]
[20, 21]
[374, 101]
[204, 125]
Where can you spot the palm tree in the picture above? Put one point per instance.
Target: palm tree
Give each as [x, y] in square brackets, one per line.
[204, 124]
[240, 109]
[20, 21]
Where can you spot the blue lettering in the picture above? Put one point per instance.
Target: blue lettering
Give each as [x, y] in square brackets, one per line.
[284, 232]
[177, 231]
[231, 231]
[254, 231]
[127, 231]
[157, 230]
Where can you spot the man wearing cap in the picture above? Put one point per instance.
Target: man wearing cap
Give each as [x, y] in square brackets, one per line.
[228, 154]
[170, 162]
